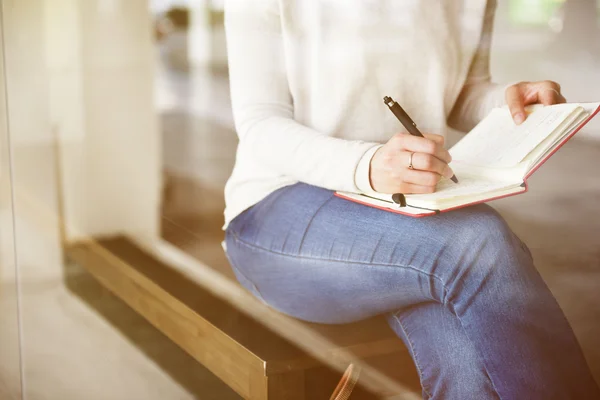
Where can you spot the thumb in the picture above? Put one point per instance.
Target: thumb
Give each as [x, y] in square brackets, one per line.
[516, 103]
[436, 138]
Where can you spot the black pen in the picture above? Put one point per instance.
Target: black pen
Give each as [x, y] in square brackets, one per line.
[405, 120]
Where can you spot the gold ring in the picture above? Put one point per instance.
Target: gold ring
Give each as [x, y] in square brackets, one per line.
[410, 159]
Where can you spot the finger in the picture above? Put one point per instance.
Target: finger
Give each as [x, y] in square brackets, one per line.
[516, 103]
[422, 178]
[550, 94]
[411, 188]
[417, 144]
[427, 162]
[439, 139]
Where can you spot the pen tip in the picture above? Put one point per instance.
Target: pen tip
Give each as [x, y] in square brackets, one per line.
[454, 179]
[387, 99]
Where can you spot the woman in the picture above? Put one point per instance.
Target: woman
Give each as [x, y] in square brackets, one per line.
[307, 81]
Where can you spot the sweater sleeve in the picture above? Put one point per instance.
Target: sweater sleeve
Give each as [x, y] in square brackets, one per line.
[479, 94]
[263, 106]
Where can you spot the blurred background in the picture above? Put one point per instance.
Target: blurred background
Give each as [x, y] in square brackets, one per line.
[115, 122]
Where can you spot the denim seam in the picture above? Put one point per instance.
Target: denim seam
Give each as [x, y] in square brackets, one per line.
[311, 220]
[252, 246]
[415, 355]
[471, 340]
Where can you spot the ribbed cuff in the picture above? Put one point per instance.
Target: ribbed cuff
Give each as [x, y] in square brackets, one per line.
[363, 170]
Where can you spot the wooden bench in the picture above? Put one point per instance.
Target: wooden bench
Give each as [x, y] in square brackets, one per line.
[254, 361]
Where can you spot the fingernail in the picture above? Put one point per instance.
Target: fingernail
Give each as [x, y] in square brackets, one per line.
[519, 118]
[449, 173]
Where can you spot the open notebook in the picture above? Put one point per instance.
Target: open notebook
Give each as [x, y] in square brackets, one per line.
[494, 160]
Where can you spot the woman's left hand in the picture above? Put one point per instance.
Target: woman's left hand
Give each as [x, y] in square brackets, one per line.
[525, 93]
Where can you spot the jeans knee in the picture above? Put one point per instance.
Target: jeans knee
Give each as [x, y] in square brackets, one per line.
[487, 254]
[486, 237]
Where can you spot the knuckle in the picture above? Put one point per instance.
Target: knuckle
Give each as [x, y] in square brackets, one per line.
[398, 138]
[427, 181]
[437, 139]
[393, 143]
[440, 169]
[387, 161]
[396, 175]
[432, 179]
[428, 162]
[431, 147]
[517, 86]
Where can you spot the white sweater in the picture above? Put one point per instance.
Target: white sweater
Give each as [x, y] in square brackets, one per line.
[308, 79]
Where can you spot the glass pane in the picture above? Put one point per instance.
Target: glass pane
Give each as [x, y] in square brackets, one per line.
[10, 344]
[123, 141]
[86, 157]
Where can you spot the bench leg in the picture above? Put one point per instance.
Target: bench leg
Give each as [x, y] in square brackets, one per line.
[285, 386]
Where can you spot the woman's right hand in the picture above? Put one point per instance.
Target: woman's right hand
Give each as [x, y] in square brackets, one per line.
[390, 172]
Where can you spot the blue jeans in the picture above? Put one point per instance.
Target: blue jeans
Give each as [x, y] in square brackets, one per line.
[460, 289]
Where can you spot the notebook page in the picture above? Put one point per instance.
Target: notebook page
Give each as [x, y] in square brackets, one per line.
[467, 186]
[498, 143]
[552, 141]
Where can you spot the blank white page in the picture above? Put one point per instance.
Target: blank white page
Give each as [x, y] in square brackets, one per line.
[498, 143]
[468, 185]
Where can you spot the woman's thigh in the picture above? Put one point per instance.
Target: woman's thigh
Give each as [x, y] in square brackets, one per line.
[317, 257]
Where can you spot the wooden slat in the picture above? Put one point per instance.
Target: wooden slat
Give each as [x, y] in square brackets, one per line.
[267, 346]
[221, 354]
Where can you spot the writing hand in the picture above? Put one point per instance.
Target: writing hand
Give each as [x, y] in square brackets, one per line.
[390, 172]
